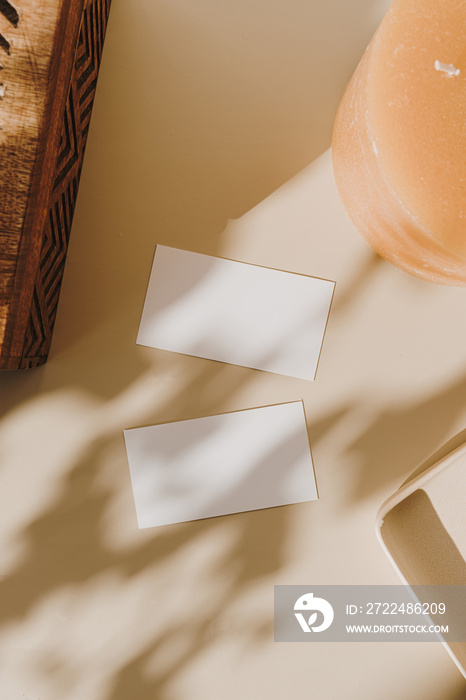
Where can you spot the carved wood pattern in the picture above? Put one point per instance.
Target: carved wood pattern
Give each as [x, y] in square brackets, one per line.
[73, 139]
[28, 315]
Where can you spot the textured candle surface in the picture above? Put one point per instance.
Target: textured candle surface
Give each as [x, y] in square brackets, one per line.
[399, 141]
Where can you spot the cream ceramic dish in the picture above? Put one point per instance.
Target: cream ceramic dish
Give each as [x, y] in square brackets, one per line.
[422, 529]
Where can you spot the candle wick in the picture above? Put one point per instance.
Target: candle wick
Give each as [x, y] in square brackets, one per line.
[449, 68]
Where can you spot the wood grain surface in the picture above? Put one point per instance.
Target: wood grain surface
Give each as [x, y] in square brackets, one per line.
[50, 53]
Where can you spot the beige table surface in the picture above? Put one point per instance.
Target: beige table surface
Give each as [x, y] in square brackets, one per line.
[211, 133]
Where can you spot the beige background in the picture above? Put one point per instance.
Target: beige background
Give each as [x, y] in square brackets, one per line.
[210, 132]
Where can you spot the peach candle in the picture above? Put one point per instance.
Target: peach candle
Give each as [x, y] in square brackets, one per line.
[399, 140]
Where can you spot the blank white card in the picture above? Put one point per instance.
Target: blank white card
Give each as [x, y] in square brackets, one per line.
[235, 312]
[229, 463]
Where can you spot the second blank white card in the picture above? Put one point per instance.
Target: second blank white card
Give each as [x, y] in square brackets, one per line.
[229, 463]
[235, 312]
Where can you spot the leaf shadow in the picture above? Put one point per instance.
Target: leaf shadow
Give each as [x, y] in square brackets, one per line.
[397, 441]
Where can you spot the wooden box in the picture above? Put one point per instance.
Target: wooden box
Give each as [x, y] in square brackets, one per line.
[50, 53]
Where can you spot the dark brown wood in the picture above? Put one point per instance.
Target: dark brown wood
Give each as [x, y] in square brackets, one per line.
[50, 54]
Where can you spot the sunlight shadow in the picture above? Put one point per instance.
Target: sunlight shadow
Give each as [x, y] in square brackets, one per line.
[397, 439]
[210, 132]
